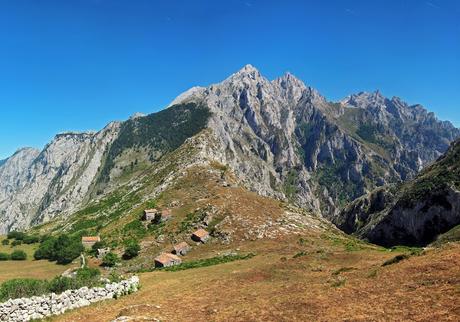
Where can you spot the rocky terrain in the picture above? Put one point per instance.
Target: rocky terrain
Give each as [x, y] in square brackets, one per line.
[284, 139]
[281, 138]
[413, 213]
[36, 186]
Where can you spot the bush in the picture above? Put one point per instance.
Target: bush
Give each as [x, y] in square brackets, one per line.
[31, 239]
[46, 249]
[60, 284]
[4, 256]
[208, 262]
[5, 242]
[132, 249]
[110, 260]
[97, 245]
[18, 255]
[63, 249]
[15, 235]
[31, 287]
[22, 287]
[395, 259]
[16, 243]
[84, 277]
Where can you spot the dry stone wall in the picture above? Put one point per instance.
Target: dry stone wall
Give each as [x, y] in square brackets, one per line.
[38, 307]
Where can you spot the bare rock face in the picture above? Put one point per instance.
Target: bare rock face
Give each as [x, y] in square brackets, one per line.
[285, 140]
[38, 186]
[281, 138]
[414, 213]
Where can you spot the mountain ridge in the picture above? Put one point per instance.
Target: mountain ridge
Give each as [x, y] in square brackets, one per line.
[282, 139]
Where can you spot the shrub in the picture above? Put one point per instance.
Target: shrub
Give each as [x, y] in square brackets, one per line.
[16, 242]
[18, 255]
[31, 239]
[63, 249]
[46, 249]
[31, 287]
[84, 277]
[4, 256]
[60, 284]
[395, 259]
[98, 245]
[208, 262]
[110, 259]
[5, 242]
[132, 249]
[22, 287]
[15, 235]
[67, 249]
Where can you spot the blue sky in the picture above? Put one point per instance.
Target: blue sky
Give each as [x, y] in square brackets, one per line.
[76, 65]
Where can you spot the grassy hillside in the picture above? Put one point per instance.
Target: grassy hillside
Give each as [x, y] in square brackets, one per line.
[156, 134]
[303, 278]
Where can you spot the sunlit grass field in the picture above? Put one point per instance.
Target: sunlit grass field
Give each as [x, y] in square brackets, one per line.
[28, 268]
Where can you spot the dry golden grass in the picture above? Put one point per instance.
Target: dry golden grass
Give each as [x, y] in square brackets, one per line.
[327, 284]
[29, 268]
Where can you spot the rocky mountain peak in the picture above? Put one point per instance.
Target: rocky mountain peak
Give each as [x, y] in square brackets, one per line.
[247, 76]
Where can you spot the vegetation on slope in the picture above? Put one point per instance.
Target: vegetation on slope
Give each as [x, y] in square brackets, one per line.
[436, 178]
[159, 133]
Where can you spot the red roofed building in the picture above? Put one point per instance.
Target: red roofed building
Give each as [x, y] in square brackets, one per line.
[200, 235]
[167, 260]
[89, 241]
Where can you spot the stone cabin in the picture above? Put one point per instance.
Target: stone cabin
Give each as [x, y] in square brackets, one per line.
[181, 249]
[89, 241]
[162, 216]
[101, 252]
[149, 214]
[200, 235]
[167, 260]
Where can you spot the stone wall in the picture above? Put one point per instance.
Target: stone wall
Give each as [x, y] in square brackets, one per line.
[38, 307]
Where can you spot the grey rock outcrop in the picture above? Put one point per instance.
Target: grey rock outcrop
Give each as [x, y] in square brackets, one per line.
[284, 139]
[281, 138]
[414, 213]
[38, 186]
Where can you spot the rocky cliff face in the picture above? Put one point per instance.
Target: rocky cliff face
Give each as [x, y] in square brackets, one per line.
[284, 139]
[281, 138]
[37, 186]
[413, 213]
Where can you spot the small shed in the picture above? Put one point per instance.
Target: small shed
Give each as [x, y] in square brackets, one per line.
[162, 216]
[167, 260]
[89, 241]
[149, 214]
[200, 235]
[181, 249]
[101, 252]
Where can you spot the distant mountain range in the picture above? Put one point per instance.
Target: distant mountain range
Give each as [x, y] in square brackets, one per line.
[280, 138]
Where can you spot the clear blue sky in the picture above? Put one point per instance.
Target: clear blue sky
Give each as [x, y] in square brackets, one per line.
[76, 65]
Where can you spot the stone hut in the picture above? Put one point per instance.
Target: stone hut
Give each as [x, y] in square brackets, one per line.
[167, 260]
[149, 214]
[89, 241]
[200, 235]
[181, 249]
[162, 216]
[101, 252]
